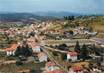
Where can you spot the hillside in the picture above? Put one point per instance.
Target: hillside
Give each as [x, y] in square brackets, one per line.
[14, 17]
[94, 22]
[57, 14]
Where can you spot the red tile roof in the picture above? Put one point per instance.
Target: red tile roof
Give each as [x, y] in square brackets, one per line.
[12, 48]
[72, 53]
[41, 54]
[77, 68]
[56, 71]
[48, 64]
[32, 42]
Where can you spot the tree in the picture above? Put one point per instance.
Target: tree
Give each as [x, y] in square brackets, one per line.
[24, 50]
[18, 51]
[35, 71]
[77, 47]
[64, 56]
[65, 17]
[71, 32]
[69, 17]
[7, 37]
[62, 47]
[72, 18]
[18, 63]
[84, 52]
[55, 53]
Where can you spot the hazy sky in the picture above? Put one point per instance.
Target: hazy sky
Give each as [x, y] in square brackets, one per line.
[78, 6]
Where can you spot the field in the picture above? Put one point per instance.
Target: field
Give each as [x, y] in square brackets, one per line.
[13, 68]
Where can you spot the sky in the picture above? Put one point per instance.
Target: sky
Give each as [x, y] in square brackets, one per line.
[76, 6]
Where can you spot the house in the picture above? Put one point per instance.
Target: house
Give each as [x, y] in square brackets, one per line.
[56, 71]
[36, 49]
[34, 45]
[42, 57]
[72, 56]
[78, 30]
[98, 41]
[51, 67]
[11, 50]
[76, 69]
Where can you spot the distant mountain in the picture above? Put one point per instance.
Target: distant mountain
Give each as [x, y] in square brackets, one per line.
[57, 14]
[12, 17]
[65, 13]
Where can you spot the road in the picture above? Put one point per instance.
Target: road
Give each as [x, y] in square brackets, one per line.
[45, 49]
[7, 62]
[2, 50]
[66, 41]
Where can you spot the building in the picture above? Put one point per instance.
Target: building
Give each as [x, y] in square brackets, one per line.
[11, 50]
[72, 56]
[51, 67]
[36, 49]
[42, 57]
[34, 45]
[56, 71]
[76, 70]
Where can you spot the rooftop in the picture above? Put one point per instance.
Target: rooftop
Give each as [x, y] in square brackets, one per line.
[12, 47]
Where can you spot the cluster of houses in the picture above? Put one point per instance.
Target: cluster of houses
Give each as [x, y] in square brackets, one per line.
[72, 56]
[83, 30]
[34, 41]
[35, 47]
[51, 67]
[11, 50]
[98, 41]
[45, 28]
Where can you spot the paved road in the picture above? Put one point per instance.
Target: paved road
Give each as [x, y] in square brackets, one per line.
[45, 49]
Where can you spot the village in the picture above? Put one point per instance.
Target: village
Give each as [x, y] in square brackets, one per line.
[49, 49]
[51, 36]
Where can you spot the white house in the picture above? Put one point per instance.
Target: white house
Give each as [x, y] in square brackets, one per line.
[10, 53]
[72, 56]
[42, 57]
[36, 49]
[34, 45]
[11, 50]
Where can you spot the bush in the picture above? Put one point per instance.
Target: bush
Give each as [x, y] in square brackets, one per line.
[18, 63]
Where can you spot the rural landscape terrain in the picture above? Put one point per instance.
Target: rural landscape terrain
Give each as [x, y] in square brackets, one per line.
[37, 44]
[51, 36]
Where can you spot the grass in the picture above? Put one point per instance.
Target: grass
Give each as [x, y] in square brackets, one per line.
[55, 27]
[81, 64]
[12, 68]
[100, 35]
[98, 27]
[97, 23]
[32, 65]
[6, 58]
[2, 55]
